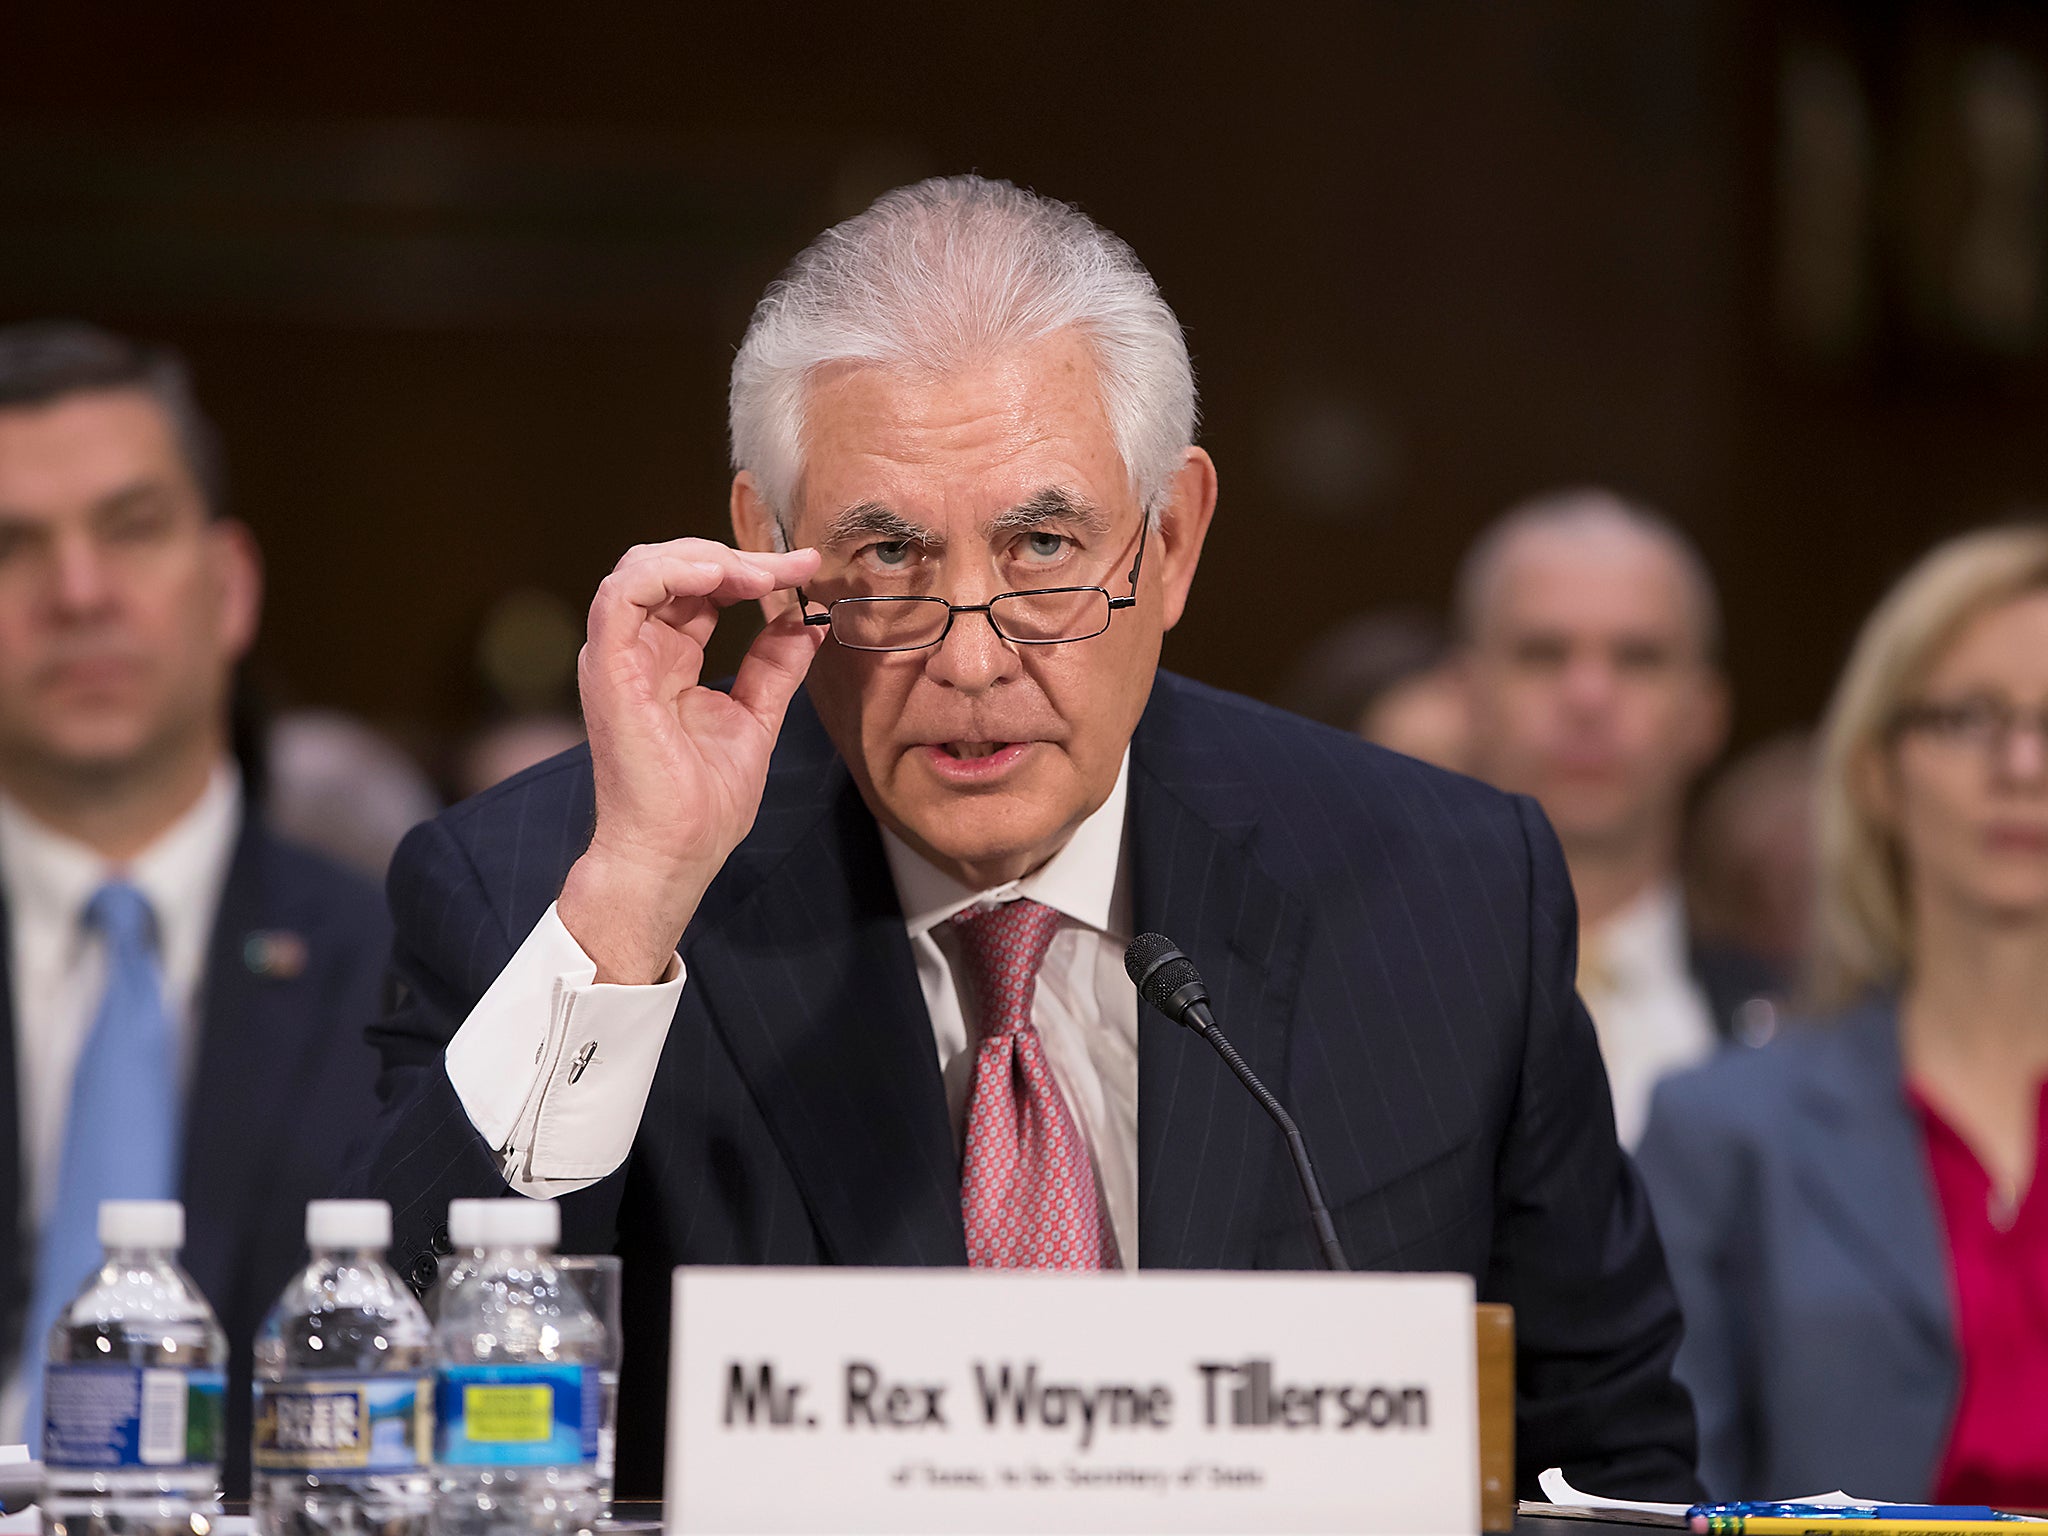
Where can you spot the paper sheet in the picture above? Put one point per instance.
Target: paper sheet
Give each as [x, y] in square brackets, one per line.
[1558, 1491]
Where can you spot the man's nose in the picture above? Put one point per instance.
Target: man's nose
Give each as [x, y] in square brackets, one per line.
[1589, 682]
[79, 576]
[973, 656]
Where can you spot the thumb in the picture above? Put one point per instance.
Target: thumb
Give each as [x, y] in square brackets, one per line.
[774, 668]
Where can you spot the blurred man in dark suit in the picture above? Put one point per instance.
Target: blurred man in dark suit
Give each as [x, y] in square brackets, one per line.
[1591, 635]
[187, 994]
[755, 979]
[1391, 677]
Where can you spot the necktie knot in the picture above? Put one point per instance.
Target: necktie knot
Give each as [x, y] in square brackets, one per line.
[121, 912]
[1002, 948]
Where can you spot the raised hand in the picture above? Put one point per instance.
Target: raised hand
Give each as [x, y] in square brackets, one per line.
[679, 767]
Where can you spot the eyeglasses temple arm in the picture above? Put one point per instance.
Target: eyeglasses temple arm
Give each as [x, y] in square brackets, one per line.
[813, 619]
[1137, 564]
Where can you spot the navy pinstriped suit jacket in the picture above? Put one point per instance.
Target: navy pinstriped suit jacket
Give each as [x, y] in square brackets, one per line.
[1390, 946]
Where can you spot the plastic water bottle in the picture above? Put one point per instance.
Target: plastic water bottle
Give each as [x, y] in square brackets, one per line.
[134, 1389]
[343, 1440]
[517, 1399]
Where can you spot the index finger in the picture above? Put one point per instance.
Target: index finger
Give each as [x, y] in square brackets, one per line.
[655, 575]
[669, 586]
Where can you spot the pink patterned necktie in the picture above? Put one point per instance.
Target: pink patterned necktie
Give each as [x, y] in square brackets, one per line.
[1027, 1189]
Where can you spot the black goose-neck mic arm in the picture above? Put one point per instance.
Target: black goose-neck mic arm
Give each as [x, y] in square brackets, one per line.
[1168, 980]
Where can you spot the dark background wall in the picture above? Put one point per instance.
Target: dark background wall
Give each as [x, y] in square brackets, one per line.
[462, 285]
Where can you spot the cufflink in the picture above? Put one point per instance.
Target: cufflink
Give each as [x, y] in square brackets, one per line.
[583, 1059]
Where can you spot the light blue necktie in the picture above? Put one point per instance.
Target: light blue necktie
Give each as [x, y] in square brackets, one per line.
[121, 1136]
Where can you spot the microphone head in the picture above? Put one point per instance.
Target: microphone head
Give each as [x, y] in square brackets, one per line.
[1165, 978]
[1144, 952]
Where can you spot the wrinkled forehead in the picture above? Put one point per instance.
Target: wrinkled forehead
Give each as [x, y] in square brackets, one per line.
[958, 449]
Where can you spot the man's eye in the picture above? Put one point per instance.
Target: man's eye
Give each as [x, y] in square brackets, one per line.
[891, 556]
[1641, 658]
[136, 525]
[1542, 652]
[1039, 545]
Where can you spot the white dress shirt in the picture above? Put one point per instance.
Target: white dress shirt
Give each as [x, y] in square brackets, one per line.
[58, 966]
[1635, 974]
[513, 1063]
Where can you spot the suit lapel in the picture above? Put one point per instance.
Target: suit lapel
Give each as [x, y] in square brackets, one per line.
[1867, 1176]
[250, 1004]
[1205, 1149]
[15, 1276]
[802, 966]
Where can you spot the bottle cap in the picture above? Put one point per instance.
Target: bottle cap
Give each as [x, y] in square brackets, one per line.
[142, 1224]
[516, 1222]
[348, 1224]
[465, 1218]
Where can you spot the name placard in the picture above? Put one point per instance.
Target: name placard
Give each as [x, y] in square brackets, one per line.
[852, 1400]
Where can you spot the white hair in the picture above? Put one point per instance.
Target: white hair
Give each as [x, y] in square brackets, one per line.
[947, 273]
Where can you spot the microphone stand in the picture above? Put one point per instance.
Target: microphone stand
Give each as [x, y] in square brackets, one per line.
[1318, 1211]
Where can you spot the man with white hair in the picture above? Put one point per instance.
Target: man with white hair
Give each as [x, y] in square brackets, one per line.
[765, 977]
[1591, 632]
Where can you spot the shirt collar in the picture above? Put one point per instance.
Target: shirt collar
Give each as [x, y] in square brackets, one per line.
[1079, 881]
[48, 873]
[1648, 936]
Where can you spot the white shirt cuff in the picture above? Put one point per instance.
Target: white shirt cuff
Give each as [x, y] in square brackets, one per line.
[554, 1069]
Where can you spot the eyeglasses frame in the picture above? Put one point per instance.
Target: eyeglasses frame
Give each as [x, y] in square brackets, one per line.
[953, 610]
[1933, 718]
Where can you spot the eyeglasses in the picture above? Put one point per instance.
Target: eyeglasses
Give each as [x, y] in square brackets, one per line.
[1039, 616]
[1984, 724]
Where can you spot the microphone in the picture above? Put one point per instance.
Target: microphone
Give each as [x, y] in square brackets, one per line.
[1168, 980]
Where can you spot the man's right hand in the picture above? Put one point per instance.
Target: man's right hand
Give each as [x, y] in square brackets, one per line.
[679, 767]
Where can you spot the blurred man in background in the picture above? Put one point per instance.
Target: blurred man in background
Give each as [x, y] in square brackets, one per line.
[186, 994]
[1591, 632]
[506, 747]
[1750, 871]
[334, 783]
[1391, 677]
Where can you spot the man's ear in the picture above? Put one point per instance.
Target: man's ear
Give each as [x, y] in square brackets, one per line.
[754, 528]
[238, 579]
[1183, 526]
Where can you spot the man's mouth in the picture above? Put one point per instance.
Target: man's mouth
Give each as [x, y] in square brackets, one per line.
[93, 671]
[975, 762]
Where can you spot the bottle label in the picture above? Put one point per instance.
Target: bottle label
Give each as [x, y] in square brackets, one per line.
[344, 1423]
[534, 1415]
[132, 1416]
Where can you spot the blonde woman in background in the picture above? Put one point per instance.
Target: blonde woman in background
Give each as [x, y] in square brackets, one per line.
[1851, 1215]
